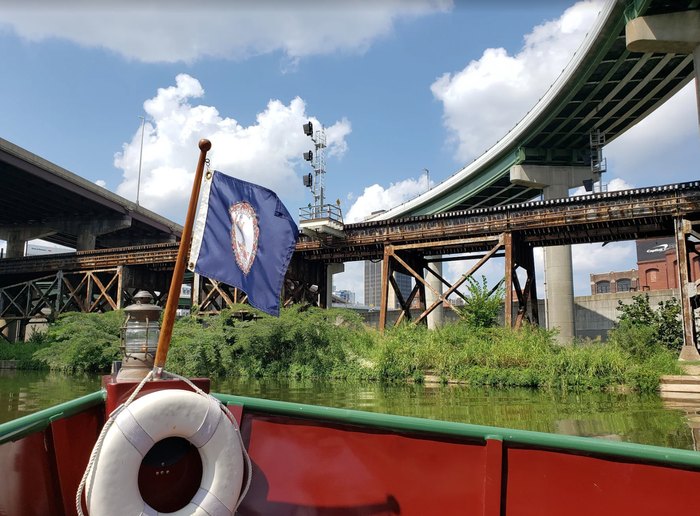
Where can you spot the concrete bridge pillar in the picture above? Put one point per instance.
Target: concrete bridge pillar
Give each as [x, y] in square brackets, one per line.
[17, 238]
[331, 270]
[88, 231]
[86, 240]
[435, 318]
[555, 182]
[672, 33]
[15, 246]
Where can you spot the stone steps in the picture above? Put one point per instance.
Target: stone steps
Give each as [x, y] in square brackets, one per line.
[681, 390]
[680, 379]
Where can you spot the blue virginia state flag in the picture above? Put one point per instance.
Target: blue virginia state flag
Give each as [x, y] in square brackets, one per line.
[244, 237]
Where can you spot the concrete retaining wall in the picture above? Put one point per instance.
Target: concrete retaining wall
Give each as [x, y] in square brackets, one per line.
[595, 315]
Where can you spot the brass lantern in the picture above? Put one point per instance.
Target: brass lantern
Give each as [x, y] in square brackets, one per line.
[139, 337]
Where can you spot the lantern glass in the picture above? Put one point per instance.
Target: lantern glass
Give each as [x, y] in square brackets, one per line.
[141, 337]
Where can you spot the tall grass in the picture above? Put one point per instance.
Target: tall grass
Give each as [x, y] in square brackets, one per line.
[528, 357]
[334, 344]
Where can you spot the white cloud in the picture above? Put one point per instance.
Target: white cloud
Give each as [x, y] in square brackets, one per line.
[486, 99]
[101, 182]
[597, 258]
[184, 31]
[265, 153]
[376, 197]
[353, 279]
[612, 185]
[663, 147]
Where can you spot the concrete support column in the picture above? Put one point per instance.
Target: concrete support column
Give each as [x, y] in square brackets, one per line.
[86, 240]
[87, 231]
[331, 269]
[672, 33]
[555, 182]
[17, 238]
[559, 277]
[15, 246]
[435, 318]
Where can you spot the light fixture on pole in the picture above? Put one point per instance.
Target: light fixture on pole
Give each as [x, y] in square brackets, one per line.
[427, 177]
[317, 160]
[138, 184]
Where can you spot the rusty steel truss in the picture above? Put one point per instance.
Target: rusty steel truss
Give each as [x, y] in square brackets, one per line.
[512, 232]
[406, 245]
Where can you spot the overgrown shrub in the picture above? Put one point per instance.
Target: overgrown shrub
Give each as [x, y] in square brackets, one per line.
[644, 331]
[482, 305]
[79, 342]
[303, 342]
[23, 352]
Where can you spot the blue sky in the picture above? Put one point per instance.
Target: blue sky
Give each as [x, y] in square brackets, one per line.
[400, 87]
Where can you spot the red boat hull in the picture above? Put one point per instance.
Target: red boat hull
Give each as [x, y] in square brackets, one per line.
[321, 461]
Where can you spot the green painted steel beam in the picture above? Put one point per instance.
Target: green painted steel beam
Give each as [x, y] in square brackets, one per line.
[492, 172]
[471, 185]
[635, 9]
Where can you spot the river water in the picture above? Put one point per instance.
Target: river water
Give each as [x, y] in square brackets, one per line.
[624, 417]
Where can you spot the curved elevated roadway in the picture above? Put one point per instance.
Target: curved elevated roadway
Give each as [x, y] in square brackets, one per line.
[605, 87]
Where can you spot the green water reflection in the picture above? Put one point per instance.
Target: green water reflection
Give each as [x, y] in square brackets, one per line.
[24, 392]
[626, 417]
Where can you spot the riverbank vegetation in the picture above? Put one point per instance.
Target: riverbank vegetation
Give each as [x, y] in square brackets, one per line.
[307, 342]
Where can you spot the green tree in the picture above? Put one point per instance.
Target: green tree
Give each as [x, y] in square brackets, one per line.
[483, 304]
[661, 327]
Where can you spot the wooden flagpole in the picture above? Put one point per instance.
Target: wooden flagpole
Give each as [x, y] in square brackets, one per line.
[166, 330]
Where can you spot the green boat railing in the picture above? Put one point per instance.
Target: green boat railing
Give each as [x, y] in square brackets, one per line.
[20, 427]
[38, 421]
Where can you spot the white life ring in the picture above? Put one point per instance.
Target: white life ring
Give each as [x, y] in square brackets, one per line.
[112, 487]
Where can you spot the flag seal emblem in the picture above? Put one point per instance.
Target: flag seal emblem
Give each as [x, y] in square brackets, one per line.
[244, 234]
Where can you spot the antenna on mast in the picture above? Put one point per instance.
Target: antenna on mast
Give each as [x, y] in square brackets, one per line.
[318, 217]
[317, 159]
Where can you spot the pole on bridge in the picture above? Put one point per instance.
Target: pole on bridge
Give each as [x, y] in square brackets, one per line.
[689, 350]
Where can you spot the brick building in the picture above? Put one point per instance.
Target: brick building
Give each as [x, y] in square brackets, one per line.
[657, 269]
[613, 282]
[658, 264]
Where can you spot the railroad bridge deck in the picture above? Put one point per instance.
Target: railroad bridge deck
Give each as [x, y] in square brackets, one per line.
[97, 281]
[602, 217]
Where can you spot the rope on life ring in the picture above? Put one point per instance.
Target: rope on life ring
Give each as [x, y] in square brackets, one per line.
[111, 476]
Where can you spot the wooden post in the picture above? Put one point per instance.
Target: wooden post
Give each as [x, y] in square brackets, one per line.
[59, 292]
[120, 285]
[689, 350]
[166, 330]
[386, 271]
[508, 244]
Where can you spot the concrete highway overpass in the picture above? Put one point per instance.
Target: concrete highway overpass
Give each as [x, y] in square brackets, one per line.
[43, 200]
